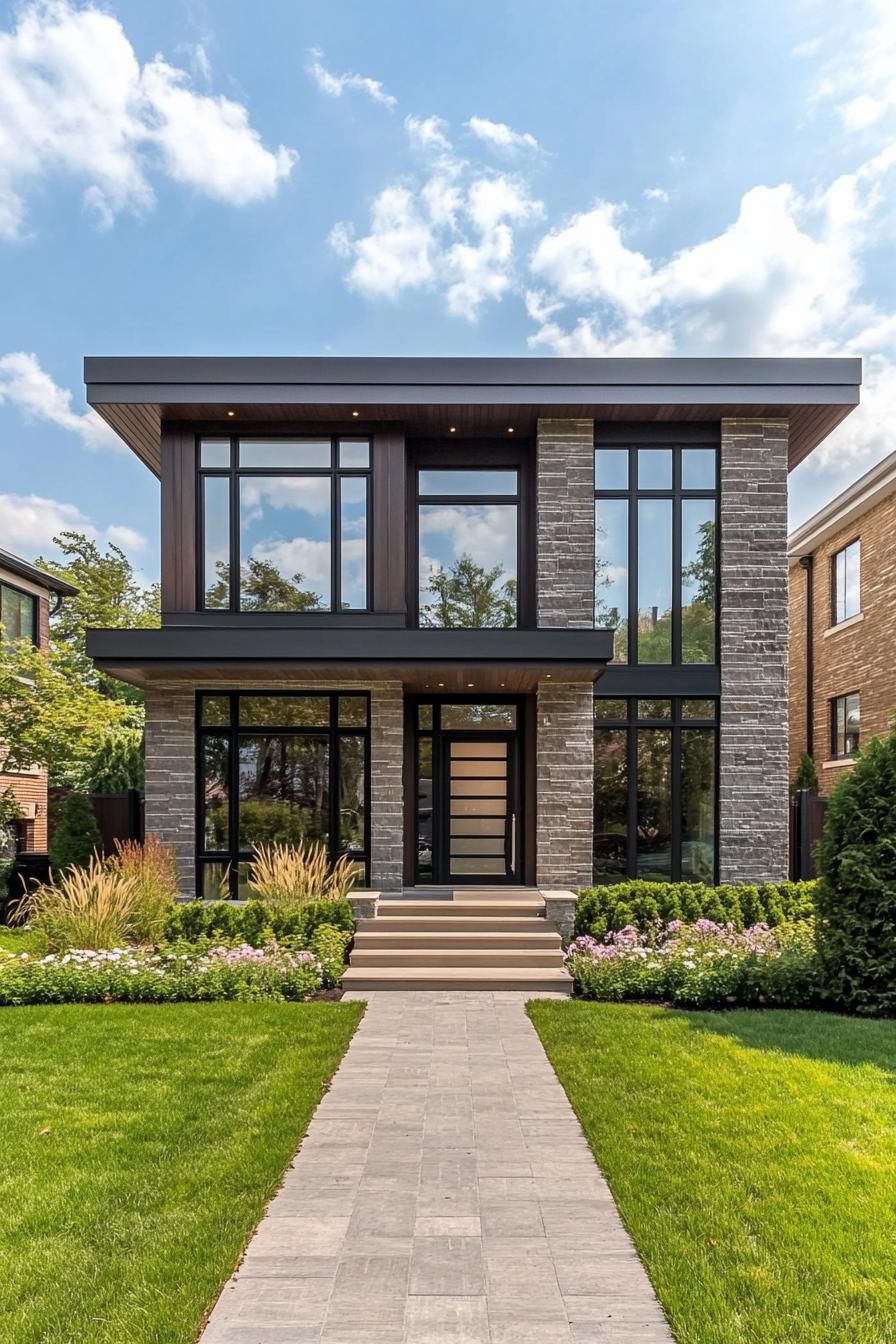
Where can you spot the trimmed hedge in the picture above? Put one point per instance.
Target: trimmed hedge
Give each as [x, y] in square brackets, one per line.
[254, 923]
[602, 910]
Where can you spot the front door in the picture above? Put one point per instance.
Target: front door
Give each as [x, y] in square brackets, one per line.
[479, 841]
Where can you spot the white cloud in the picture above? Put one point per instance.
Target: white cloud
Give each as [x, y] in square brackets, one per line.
[28, 524]
[658, 194]
[75, 100]
[396, 254]
[128, 538]
[859, 78]
[499, 135]
[427, 133]
[486, 532]
[335, 85]
[24, 384]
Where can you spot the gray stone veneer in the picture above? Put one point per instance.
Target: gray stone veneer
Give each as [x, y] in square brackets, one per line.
[564, 754]
[564, 498]
[171, 779]
[753, 779]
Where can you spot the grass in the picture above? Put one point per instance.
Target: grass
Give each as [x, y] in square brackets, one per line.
[753, 1158]
[19, 940]
[138, 1148]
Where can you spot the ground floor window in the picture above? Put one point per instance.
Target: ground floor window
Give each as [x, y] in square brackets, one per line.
[655, 773]
[290, 767]
[845, 725]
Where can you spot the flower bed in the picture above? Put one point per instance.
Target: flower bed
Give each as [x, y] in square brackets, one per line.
[699, 965]
[136, 975]
[600, 910]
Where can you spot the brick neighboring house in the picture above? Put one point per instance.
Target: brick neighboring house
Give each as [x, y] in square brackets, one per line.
[600, 692]
[25, 595]
[843, 623]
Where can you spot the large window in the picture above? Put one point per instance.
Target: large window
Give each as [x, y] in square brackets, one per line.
[845, 725]
[845, 583]
[290, 767]
[654, 789]
[18, 614]
[284, 524]
[468, 547]
[655, 577]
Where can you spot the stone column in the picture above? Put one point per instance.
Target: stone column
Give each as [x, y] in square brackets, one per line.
[171, 774]
[564, 766]
[753, 777]
[565, 524]
[386, 786]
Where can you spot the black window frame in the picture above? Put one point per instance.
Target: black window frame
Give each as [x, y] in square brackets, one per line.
[836, 753]
[675, 723]
[632, 443]
[333, 732]
[842, 551]
[35, 611]
[234, 473]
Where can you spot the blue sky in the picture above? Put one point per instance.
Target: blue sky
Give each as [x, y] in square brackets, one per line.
[498, 178]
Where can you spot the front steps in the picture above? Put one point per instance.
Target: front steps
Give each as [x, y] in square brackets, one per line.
[478, 939]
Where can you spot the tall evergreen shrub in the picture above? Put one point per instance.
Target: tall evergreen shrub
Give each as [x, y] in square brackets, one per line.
[76, 836]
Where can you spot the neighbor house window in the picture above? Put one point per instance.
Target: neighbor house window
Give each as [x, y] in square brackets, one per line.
[284, 524]
[655, 575]
[845, 725]
[845, 583]
[292, 768]
[654, 789]
[18, 614]
[468, 547]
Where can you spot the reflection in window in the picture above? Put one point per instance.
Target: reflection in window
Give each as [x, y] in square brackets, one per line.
[216, 791]
[352, 794]
[611, 469]
[611, 804]
[698, 805]
[845, 583]
[655, 469]
[698, 468]
[284, 784]
[654, 580]
[293, 453]
[654, 848]
[216, 541]
[698, 581]
[463, 715]
[353, 550]
[285, 711]
[611, 572]
[467, 556]
[285, 543]
[424, 809]
[18, 614]
[845, 725]
[474, 482]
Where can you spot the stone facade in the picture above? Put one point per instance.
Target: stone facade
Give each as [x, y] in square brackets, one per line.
[564, 767]
[753, 779]
[386, 786]
[564, 501]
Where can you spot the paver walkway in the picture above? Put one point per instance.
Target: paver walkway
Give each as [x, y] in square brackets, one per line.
[444, 1194]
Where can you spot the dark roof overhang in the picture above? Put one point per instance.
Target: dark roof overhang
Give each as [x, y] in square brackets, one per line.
[14, 564]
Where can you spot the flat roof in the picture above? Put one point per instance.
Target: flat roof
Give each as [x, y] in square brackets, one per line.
[844, 509]
[14, 564]
[134, 394]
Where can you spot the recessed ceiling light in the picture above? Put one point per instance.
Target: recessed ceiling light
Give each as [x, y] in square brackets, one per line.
[231, 412]
[453, 429]
[470, 685]
[510, 429]
[548, 675]
[356, 413]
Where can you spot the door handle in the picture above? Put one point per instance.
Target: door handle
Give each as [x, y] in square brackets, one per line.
[513, 839]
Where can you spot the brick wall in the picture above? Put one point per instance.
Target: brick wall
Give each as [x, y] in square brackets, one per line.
[564, 764]
[564, 497]
[857, 655]
[30, 787]
[753, 739]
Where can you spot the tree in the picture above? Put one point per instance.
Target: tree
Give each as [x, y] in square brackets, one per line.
[10, 812]
[262, 588]
[806, 776]
[470, 597]
[76, 837]
[118, 763]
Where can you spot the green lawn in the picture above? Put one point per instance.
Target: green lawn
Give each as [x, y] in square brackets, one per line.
[18, 940]
[138, 1147]
[753, 1157]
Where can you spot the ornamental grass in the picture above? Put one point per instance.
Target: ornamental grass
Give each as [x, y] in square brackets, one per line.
[95, 906]
[286, 875]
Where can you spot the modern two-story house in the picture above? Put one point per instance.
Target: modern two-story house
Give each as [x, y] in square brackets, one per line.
[470, 621]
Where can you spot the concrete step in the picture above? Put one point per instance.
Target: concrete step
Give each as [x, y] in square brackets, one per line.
[456, 956]
[521, 978]
[455, 924]
[458, 909]
[542, 938]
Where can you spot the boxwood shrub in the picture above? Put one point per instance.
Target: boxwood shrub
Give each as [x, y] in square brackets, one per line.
[254, 922]
[602, 910]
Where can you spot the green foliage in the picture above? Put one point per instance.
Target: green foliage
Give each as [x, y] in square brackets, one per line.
[856, 895]
[330, 946]
[262, 588]
[118, 763]
[9, 812]
[601, 910]
[76, 837]
[806, 776]
[254, 923]
[469, 597]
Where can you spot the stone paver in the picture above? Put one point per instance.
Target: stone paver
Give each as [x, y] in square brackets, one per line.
[444, 1194]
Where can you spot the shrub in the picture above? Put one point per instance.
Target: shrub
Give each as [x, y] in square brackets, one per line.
[329, 946]
[90, 907]
[806, 776]
[153, 868]
[254, 922]
[283, 875]
[601, 910]
[856, 896]
[76, 837]
[118, 763]
[9, 813]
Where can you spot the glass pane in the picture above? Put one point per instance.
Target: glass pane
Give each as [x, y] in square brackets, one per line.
[285, 543]
[353, 711]
[352, 793]
[610, 804]
[846, 582]
[243, 890]
[698, 468]
[295, 453]
[611, 469]
[215, 711]
[215, 792]
[16, 614]
[654, 709]
[285, 711]
[610, 709]
[481, 867]
[353, 542]
[468, 482]
[654, 468]
[424, 717]
[354, 453]
[654, 580]
[611, 572]
[698, 804]
[216, 541]
[479, 750]
[698, 709]
[478, 716]
[654, 839]
[479, 807]
[424, 808]
[215, 882]
[468, 566]
[851, 740]
[284, 789]
[698, 581]
[214, 452]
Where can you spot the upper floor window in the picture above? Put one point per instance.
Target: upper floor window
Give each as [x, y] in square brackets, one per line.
[18, 614]
[845, 583]
[845, 725]
[468, 524]
[655, 579]
[284, 524]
